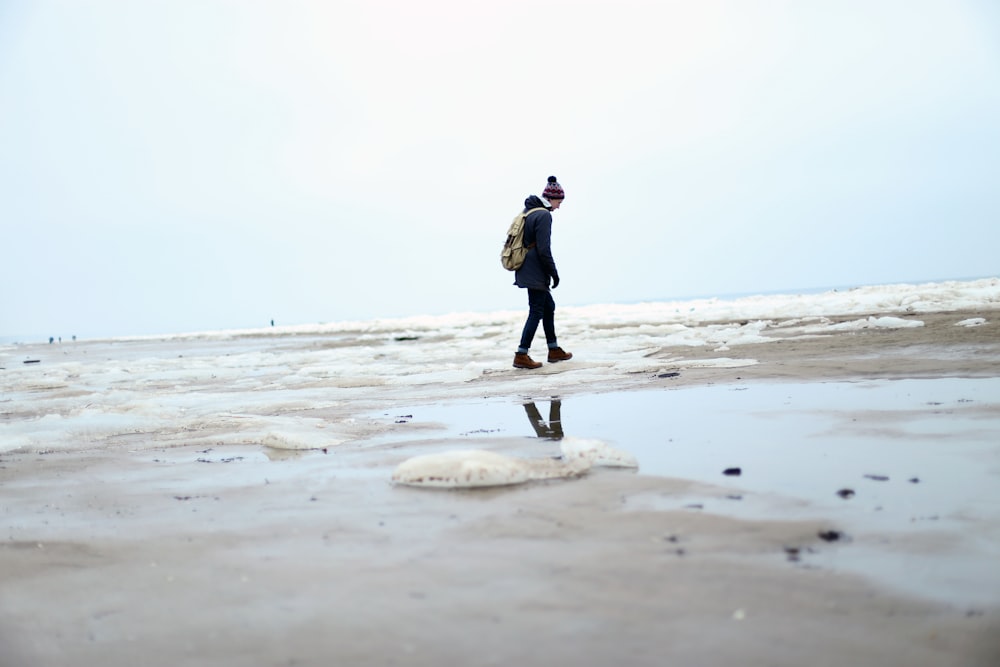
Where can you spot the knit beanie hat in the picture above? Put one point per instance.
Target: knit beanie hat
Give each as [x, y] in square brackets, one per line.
[553, 190]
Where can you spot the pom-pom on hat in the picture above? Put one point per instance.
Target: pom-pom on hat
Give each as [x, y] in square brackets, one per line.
[553, 190]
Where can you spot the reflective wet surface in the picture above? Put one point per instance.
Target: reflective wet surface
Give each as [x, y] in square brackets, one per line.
[918, 442]
[905, 457]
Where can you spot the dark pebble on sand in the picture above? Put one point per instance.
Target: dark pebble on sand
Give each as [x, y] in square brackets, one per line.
[846, 493]
[830, 535]
[733, 472]
[877, 478]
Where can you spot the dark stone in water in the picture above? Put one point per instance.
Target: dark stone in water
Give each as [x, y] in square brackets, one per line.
[877, 478]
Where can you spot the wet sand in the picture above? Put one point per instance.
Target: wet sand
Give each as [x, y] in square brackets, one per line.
[197, 553]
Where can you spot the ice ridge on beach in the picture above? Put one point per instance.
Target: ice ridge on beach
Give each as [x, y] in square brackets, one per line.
[885, 299]
[311, 386]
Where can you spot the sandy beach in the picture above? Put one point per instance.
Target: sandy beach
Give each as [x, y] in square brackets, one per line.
[200, 537]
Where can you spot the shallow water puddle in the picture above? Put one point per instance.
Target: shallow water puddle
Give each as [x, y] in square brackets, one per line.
[909, 458]
[920, 447]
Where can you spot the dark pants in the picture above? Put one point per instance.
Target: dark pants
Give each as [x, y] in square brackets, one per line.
[553, 429]
[541, 308]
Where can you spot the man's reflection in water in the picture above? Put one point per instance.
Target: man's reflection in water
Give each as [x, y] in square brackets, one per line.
[551, 429]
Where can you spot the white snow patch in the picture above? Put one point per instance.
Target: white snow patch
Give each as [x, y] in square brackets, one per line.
[596, 452]
[471, 468]
[875, 323]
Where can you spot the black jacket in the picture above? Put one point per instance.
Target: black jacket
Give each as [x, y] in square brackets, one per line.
[539, 267]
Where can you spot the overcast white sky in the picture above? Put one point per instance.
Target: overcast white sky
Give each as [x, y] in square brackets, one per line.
[180, 165]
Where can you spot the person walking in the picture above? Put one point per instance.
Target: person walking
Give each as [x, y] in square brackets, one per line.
[537, 273]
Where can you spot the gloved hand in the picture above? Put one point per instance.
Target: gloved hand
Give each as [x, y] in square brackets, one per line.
[555, 282]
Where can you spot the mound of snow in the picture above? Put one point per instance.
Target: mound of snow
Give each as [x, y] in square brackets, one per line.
[469, 468]
[478, 468]
[596, 453]
[876, 323]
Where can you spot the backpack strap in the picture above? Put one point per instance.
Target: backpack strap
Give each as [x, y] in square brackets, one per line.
[529, 212]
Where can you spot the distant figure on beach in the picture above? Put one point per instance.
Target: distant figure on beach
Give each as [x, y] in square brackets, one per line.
[51, 340]
[551, 429]
[535, 274]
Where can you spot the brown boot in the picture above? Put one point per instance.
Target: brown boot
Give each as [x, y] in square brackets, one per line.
[524, 361]
[559, 354]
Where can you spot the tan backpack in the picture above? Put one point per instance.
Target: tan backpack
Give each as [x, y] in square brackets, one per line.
[514, 251]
